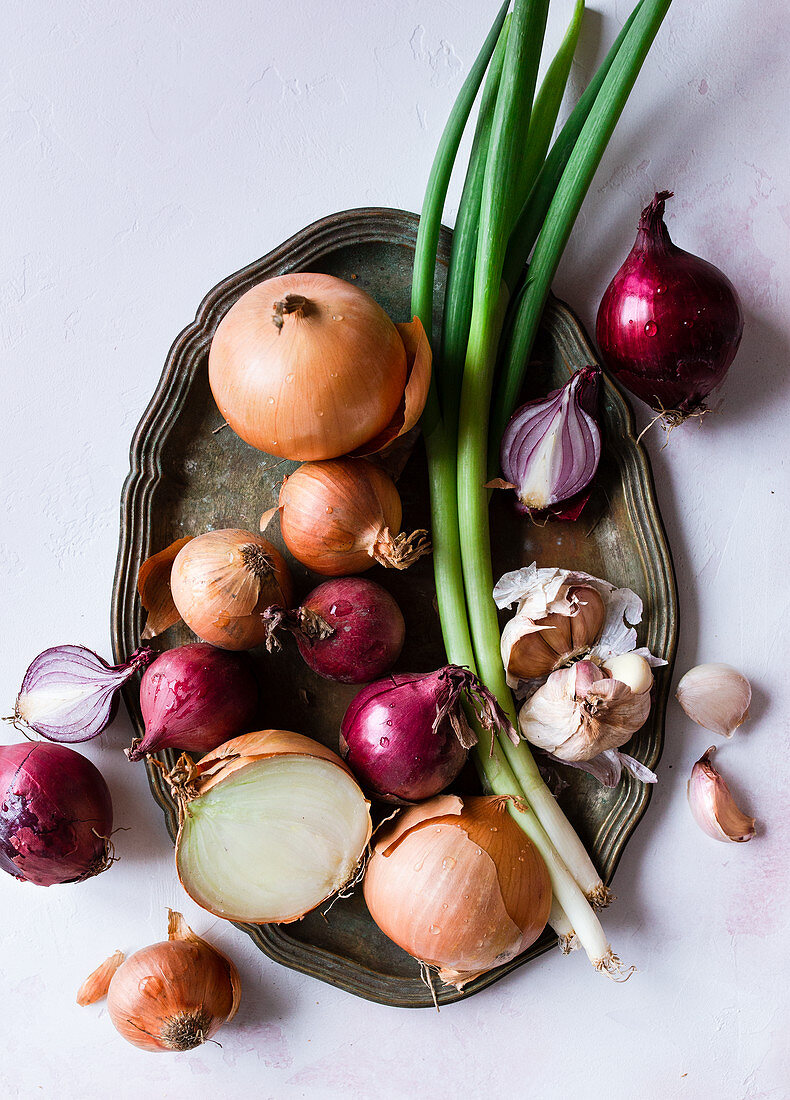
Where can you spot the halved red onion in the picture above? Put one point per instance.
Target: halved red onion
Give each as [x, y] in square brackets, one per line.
[70, 694]
[551, 447]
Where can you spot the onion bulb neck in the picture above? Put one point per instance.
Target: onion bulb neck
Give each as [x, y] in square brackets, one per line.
[653, 233]
[300, 621]
[291, 303]
[257, 561]
[400, 551]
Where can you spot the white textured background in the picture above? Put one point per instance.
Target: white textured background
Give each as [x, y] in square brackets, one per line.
[149, 150]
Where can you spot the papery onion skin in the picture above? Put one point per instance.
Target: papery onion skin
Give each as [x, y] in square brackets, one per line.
[193, 698]
[55, 815]
[350, 630]
[669, 323]
[329, 378]
[457, 884]
[173, 995]
[190, 782]
[214, 581]
[342, 517]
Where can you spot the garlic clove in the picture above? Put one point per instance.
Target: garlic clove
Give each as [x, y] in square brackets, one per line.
[713, 806]
[631, 669]
[716, 697]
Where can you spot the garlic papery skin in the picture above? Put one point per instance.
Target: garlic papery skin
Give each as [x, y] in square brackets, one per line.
[582, 711]
[536, 647]
[716, 697]
[631, 669]
[713, 806]
[562, 616]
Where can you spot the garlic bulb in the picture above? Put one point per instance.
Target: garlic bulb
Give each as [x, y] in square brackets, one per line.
[582, 711]
[716, 697]
[713, 806]
[562, 616]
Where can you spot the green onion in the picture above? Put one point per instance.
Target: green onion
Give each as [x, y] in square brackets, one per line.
[548, 101]
[573, 186]
[460, 272]
[534, 210]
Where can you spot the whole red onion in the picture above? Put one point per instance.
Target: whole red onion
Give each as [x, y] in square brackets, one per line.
[55, 814]
[406, 737]
[669, 323]
[349, 629]
[194, 697]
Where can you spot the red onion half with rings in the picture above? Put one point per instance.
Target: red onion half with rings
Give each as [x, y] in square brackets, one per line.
[669, 323]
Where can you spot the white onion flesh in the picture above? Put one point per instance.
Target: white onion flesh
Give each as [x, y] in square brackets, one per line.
[273, 840]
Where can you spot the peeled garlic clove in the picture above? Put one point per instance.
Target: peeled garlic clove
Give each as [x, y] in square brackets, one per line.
[713, 806]
[716, 697]
[632, 670]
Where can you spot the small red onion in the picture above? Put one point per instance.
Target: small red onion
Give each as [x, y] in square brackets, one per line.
[349, 629]
[406, 737]
[70, 694]
[669, 323]
[195, 697]
[551, 448]
[55, 814]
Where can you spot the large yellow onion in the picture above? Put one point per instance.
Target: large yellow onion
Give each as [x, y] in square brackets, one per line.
[307, 366]
[458, 885]
[271, 824]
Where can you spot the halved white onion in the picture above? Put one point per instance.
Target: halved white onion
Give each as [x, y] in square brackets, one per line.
[273, 839]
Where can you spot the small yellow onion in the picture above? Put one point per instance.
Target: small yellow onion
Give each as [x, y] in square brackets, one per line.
[343, 516]
[271, 824]
[222, 582]
[457, 884]
[307, 366]
[171, 996]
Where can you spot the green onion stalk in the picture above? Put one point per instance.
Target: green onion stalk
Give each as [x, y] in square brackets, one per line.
[496, 773]
[478, 384]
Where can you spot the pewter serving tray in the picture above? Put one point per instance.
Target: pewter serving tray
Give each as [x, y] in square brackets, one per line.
[185, 479]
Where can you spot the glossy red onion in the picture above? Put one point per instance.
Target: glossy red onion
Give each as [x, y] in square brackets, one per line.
[669, 323]
[552, 446]
[406, 737]
[195, 697]
[55, 814]
[70, 694]
[349, 629]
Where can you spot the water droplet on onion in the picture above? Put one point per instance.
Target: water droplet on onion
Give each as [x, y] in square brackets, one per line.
[384, 742]
[651, 328]
[448, 863]
[435, 929]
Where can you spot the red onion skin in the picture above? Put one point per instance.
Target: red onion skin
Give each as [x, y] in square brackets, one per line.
[195, 697]
[388, 742]
[55, 814]
[669, 323]
[368, 626]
